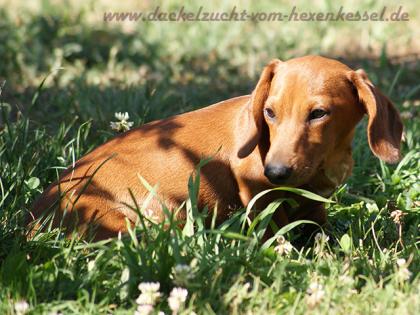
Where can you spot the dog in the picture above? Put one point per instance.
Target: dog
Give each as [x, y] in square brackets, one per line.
[295, 129]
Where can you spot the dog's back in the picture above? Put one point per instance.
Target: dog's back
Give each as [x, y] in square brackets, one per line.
[96, 189]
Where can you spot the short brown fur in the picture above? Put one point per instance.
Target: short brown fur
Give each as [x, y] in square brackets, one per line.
[242, 141]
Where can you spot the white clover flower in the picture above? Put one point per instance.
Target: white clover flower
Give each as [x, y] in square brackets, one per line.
[122, 124]
[321, 237]
[284, 247]
[21, 307]
[145, 309]
[182, 269]
[147, 287]
[182, 274]
[148, 297]
[315, 294]
[397, 216]
[177, 298]
[403, 273]
[320, 240]
[122, 116]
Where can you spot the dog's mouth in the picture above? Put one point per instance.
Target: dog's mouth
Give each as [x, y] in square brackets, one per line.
[280, 182]
[290, 182]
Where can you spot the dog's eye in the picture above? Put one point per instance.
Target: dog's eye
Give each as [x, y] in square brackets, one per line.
[269, 113]
[317, 113]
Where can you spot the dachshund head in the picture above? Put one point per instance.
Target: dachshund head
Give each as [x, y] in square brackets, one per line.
[302, 116]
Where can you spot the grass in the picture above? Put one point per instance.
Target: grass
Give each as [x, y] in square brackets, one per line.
[155, 70]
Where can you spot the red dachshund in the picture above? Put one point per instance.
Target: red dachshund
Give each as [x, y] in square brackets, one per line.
[295, 129]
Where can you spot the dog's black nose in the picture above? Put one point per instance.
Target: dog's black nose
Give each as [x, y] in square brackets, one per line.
[277, 174]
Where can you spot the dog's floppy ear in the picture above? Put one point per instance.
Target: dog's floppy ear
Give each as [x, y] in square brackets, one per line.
[255, 109]
[384, 128]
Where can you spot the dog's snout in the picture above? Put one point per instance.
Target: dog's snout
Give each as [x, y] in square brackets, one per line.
[277, 174]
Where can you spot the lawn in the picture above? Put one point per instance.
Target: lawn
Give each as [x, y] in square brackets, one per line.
[64, 73]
